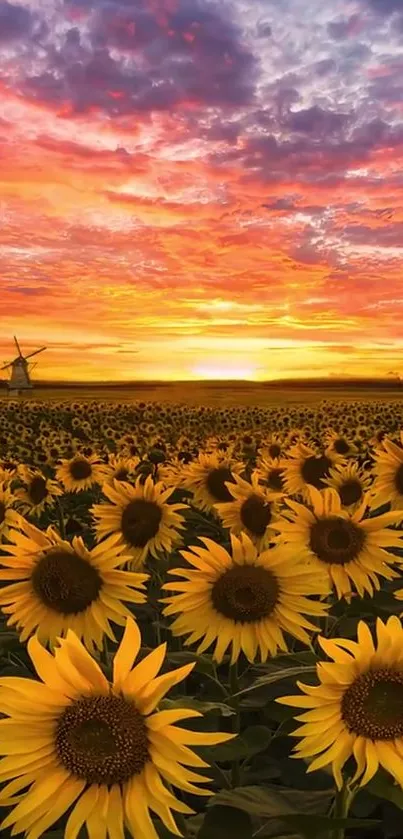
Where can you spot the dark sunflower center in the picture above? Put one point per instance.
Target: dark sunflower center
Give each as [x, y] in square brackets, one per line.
[274, 450]
[275, 480]
[215, 483]
[373, 706]
[255, 514]
[2, 512]
[37, 490]
[315, 469]
[245, 593]
[122, 475]
[102, 740]
[140, 522]
[65, 582]
[335, 540]
[399, 479]
[350, 492]
[341, 446]
[80, 469]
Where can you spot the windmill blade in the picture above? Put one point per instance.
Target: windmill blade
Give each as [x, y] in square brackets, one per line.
[35, 352]
[6, 365]
[18, 346]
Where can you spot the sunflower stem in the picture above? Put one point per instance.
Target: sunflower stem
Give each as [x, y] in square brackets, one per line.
[235, 719]
[61, 519]
[341, 809]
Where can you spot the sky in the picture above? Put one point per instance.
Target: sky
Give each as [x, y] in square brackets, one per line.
[202, 188]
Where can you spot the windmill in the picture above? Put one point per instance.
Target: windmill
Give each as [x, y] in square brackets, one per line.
[20, 369]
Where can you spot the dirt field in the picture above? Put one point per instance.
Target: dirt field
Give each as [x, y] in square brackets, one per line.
[210, 393]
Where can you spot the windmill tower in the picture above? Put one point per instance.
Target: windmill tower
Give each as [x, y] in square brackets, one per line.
[20, 369]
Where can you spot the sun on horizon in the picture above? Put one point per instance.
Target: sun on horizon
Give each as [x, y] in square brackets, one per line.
[194, 188]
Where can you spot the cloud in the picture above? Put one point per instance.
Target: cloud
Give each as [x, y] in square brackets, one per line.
[206, 168]
[317, 122]
[16, 22]
[387, 236]
[339, 30]
[190, 51]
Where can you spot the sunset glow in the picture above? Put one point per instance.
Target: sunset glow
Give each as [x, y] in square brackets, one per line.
[202, 188]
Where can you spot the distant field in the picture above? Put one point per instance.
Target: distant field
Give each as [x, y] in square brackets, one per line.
[211, 393]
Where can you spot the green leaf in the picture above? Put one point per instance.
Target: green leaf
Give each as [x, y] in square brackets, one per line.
[253, 740]
[270, 679]
[279, 806]
[204, 707]
[9, 640]
[383, 787]
[316, 827]
[304, 657]
[226, 823]
[274, 801]
[204, 664]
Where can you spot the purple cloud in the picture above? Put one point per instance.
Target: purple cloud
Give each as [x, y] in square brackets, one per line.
[16, 22]
[339, 30]
[193, 52]
[315, 121]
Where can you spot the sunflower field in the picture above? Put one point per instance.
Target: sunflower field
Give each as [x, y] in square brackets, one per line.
[200, 630]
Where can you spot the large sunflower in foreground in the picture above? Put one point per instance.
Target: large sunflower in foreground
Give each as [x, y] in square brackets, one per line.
[346, 545]
[139, 519]
[206, 478]
[252, 510]
[306, 466]
[56, 586]
[76, 739]
[37, 491]
[8, 515]
[246, 600]
[388, 471]
[357, 709]
[80, 472]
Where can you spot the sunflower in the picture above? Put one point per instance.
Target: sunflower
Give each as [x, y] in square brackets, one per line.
[81, 472]
[305, 467]
[121, 468]
[272, 446]
[59, 586]
[388, 470]
[8, 515]
[335, 442]
[351, 483]
[252, 511]
[77, 739]
[271, 472]
[37, 492]
[350, 548]
[206, 478]
[356, 710]
[139, 519]
[247, 599]
[6, 475]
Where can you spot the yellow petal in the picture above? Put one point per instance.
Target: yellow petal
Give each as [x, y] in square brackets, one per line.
[81, 812]
[66, 795]
[153, 693]
[144, 672]
[82, 661]
[44, 664]
[127, 652]
[163, 718]
[115, 813]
